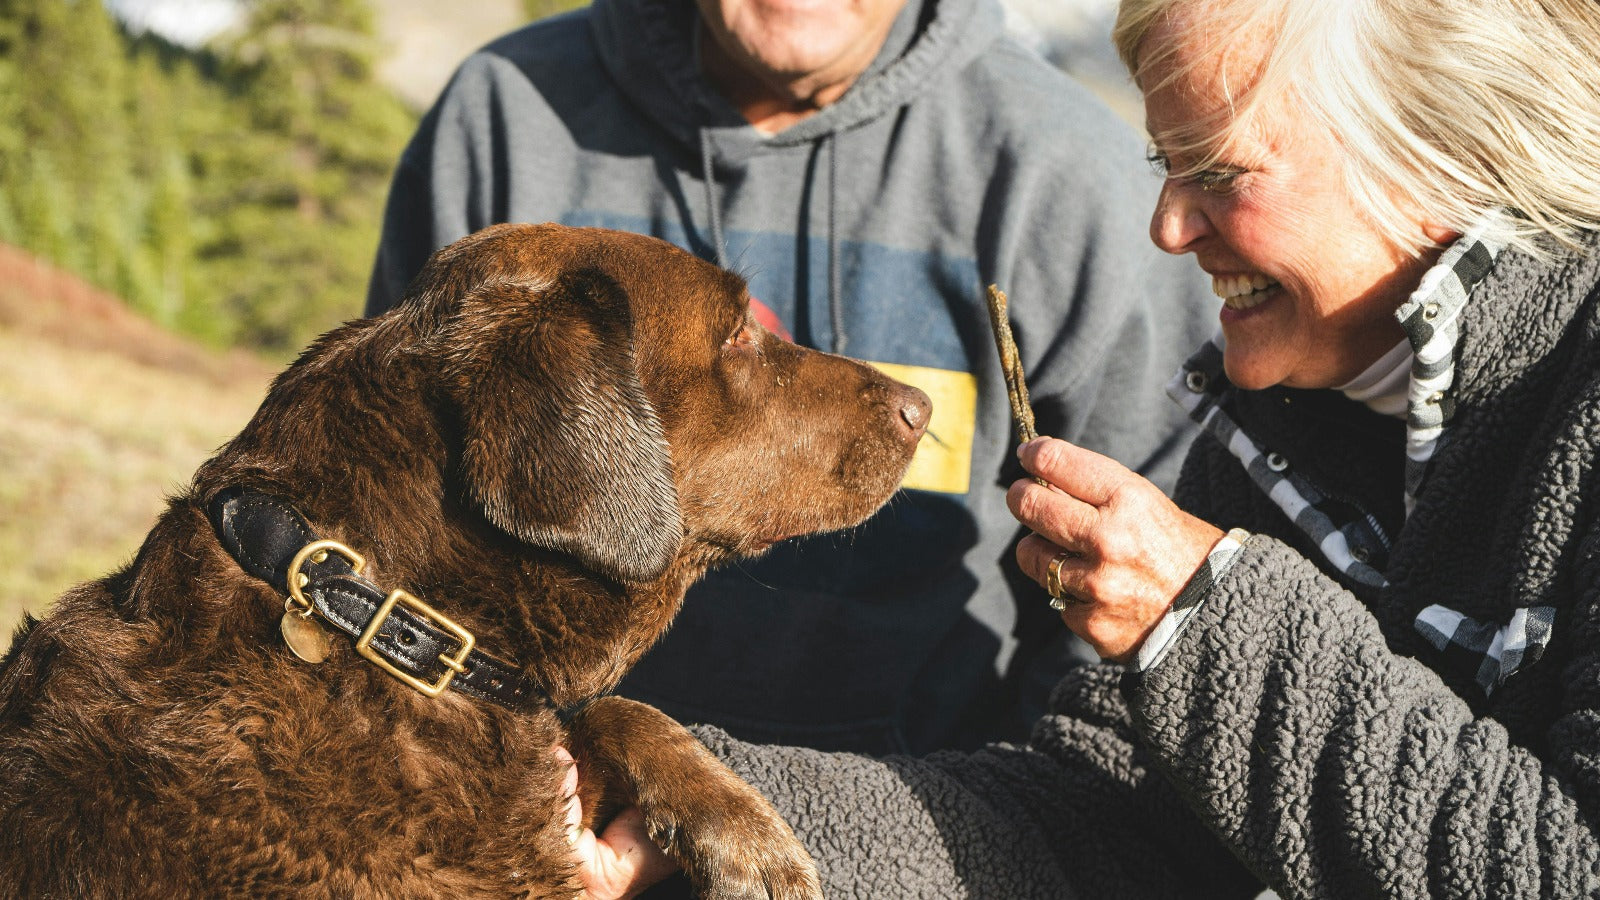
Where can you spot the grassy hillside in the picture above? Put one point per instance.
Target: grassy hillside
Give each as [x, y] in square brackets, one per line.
[102, 415]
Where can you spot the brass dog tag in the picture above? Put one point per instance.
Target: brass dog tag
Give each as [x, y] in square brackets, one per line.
[306, 639]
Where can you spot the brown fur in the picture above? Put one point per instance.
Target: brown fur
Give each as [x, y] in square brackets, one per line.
[552, 436]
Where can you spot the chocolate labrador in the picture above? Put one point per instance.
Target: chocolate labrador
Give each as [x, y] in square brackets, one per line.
[341, 659]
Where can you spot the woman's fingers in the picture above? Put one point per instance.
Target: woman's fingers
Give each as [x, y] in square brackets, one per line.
[1134, 549]
[622, 861]
[1035, 555]
[631, 857]
[1084, 474]
[1057, 515]
[569, 790]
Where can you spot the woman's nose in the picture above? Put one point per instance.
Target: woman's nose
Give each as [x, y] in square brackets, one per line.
[1178, 223]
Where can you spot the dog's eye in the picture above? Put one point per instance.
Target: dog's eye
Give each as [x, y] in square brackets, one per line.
[746, 338]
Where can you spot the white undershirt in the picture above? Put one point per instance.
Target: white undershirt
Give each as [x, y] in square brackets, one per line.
[1384, 384]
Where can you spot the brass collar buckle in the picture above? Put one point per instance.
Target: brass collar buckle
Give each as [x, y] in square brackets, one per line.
[454, 663]
[299, 604]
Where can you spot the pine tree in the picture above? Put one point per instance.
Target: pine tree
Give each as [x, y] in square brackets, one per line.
[539, 9]
[312, 175]
[233, 193]
[68, 62]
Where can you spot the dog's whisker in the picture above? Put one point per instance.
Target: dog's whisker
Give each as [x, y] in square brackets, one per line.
[739, 564]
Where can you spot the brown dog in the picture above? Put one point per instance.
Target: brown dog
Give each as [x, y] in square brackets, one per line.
[524, 465]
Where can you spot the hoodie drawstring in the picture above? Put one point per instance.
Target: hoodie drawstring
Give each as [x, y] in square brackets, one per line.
[719, 249]
[713, 209]
[835, 295]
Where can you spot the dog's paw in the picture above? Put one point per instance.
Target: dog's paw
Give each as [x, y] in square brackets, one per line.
[747, 854]
[725, 836]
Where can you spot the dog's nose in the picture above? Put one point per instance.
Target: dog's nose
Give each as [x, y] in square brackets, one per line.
[915, 410]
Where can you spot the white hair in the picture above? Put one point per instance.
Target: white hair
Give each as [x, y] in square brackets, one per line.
[1456, 113]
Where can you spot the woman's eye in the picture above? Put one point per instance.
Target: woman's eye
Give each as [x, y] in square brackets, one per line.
[1158, 162]
[1217, 181]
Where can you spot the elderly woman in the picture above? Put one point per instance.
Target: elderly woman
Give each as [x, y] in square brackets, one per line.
[1360, 654]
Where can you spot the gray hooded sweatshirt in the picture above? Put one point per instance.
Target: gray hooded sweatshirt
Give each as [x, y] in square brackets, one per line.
[958, 160]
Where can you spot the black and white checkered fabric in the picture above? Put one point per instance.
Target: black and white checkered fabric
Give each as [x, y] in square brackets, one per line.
[1431, 319]
[1328, 524]
[1497, 651]
[1189, 600]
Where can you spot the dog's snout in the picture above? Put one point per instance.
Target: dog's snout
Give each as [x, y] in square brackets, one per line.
[915, 410]
[913, 415]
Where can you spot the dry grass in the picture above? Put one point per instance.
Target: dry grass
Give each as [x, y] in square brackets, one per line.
[92, 441]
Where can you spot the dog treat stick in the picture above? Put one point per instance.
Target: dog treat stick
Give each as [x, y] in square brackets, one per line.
[1011, 365]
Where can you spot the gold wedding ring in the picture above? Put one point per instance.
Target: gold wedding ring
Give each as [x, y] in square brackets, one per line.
[1059, 598]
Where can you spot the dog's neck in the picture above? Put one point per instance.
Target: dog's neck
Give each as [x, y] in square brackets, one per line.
[384, 493]
[517, 602]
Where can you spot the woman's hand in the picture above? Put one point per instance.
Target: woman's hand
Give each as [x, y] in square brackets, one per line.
[619, 863]
[1134, 548]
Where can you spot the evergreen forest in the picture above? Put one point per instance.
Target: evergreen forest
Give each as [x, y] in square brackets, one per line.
[233, 193]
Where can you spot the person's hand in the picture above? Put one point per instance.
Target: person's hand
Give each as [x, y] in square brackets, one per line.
[1134, 549]
[622, 861]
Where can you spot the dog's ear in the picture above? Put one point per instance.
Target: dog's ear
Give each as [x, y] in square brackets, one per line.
[561, 447]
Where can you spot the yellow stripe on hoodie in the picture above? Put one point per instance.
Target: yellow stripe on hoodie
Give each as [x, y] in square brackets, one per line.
[943, 461]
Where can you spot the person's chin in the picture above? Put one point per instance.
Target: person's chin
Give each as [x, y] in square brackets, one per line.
[1252, 342]
[1251, 365]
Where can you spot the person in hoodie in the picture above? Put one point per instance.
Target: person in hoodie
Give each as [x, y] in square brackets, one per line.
[870, 167]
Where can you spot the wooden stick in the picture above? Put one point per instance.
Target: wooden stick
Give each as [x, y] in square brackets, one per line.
[1021, 410]
[1011, 365]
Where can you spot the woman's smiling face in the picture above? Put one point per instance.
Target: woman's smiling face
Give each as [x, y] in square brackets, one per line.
[1309, 286]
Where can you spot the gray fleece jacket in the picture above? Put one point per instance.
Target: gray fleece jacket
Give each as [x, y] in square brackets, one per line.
[872, 227]
[1312, 727]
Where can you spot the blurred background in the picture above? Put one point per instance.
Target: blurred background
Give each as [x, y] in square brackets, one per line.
[190, 190]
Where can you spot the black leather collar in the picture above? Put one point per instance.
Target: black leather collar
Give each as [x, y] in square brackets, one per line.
[265, 534]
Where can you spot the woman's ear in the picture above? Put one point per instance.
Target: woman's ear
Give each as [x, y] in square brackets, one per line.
[1439, 234]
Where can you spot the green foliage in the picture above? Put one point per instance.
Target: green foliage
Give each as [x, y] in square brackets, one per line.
[233, 194]
[540, 9]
